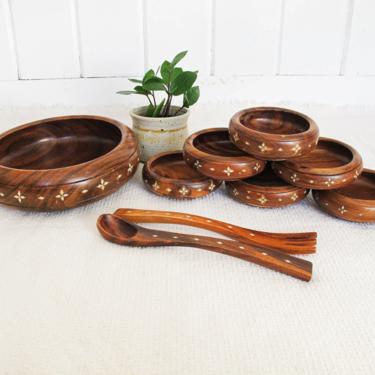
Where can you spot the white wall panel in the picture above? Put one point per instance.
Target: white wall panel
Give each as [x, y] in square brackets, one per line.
[8, 64]
[247, 35]
[45, 37]
[173, 26]
[361, 55]
[111, 37]
[313, 36]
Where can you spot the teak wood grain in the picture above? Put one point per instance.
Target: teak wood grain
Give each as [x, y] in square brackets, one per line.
[333, 164]
[293, 243]
[168, 175]
[266, 190]
[63, 162]
[117, 230]
[272, 133]
[211, 152]
[355, 202]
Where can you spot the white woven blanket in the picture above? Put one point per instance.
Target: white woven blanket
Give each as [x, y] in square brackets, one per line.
[72, 303]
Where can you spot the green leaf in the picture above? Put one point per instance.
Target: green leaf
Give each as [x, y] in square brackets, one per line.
[135, 80]
[165, 71]
[154, 84]
[149, 74]
[158, 109]
[191, 96]
[178, 57]
[149, 111]
[183, 82]
[176, 72]
[141, 90]
[126, 92]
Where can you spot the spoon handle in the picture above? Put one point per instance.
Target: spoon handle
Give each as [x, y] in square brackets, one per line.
[292, 243]
[269, 258]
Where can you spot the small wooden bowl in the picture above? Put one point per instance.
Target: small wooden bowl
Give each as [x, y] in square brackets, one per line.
[168, 175]
[333, 164]
[211, 152]
[64, 162]
[272, 133]
[355, 202]
[265, 190]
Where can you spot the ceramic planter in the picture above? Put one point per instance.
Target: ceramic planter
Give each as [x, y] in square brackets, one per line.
[159, 134]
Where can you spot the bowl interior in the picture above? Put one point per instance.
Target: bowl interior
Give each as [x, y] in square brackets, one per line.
[274, 121]
[174, 167]
[362, 188]
[266, 178]
[58, 143]
[217, 142]
[328, 154]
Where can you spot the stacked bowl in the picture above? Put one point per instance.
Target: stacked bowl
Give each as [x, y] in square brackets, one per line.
[272, 157]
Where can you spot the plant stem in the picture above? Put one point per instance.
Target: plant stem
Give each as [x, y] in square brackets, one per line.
[149, 99]
[153, 96]
[180, 109]
[166, 109]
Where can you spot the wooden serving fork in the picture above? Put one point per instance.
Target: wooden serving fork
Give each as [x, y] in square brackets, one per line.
[116, 229]
[292, 243]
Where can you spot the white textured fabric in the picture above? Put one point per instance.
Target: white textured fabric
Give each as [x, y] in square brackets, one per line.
[73, 303]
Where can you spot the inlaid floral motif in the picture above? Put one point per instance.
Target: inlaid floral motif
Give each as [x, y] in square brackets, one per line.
[262, 199]
[236, 137]
[19, 197]
[197, 164]
[212, 186]
[256, 167]
[62, 195]
[342, 210]
[294, 177]
[2, 194]
[329, 182]
[263, 147]
[183, 191]
[228, 171]
[294, 197]
[296, 149]
[235, 192]
[156, 186]
[102, 184]
[130, 168]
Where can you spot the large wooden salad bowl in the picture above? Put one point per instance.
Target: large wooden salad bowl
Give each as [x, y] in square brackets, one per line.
[64, 162]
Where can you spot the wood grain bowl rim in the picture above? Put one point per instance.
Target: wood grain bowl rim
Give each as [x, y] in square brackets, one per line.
[355, 162]
[311, 132]
[357, 201]
[265, 198]
[251, 185]
[345, 207]
[117, 153]
[205, 156]
[148, 166]
[177, 188]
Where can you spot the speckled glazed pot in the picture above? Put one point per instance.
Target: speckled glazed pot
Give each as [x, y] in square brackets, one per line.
[159, 134]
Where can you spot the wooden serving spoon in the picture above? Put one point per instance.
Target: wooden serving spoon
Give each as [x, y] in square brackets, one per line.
[292, 243]
[115, 229]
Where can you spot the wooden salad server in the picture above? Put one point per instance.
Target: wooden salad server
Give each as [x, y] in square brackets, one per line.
[293, 243]
[117, 230]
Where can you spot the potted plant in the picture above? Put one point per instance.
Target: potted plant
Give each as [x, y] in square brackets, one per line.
[161, 125]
